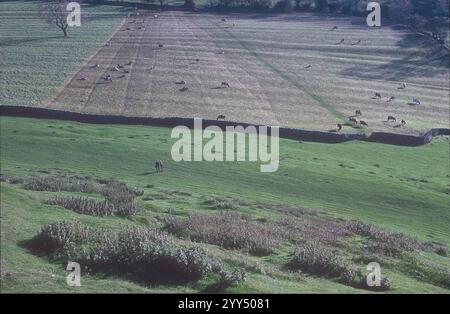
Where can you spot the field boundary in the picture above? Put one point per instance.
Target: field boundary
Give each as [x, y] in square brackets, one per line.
[287, 133]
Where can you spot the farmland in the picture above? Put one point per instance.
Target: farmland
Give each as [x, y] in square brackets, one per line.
[263, 58]
[89, 193]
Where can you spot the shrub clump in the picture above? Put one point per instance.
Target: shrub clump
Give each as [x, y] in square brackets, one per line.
[149, 255]
[320, 261]
[83, 205]
[58, 184]
[387, 243]
[59, 235]
[227, 229]
[231, 278]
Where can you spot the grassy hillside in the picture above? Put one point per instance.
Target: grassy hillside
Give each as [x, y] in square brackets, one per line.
[398, 188]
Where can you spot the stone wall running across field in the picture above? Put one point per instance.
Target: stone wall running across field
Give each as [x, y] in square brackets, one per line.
[288, 133]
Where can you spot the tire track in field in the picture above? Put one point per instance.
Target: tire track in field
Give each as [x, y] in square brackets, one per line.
[333, 111]
[138, 95]
[128, 48]
[260, 100]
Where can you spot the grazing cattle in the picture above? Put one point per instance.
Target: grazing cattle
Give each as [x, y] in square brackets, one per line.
[334, 28]
[390, 99]
[115, 69]
[160, 45]
[126, 71]
[129, 63]
[183, 89]
[119, 66]
[121, 76]
[223, 20]
[159, 166]
[403, 122]
[363, 123]
[339, 126]
[197, 60]
[94, 65]
[308, 66]
[341, 41]
[225, 84]
[107, 44]
[181, 82]
[107, 77]
[352, 120]
[377, 96]
[416, 101]
[402, 86]
[221, 52]
[391, 118]
[83, 78]
[358, 42]
[220, 117]
[358, 113]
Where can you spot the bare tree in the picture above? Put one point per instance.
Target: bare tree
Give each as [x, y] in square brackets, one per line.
[54, 12]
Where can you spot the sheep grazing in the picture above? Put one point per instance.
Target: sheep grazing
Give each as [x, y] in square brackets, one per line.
[352, 120]
[220, 117]
[363, 123]
[225, 84]
[390, 99]
[339, 126]
[358, 113]
[357, 43]
[391, 118]
[377, 96]
[308, 66]
[416, 101]
[159, 166]
[183, 89]
[334, 28]
[402, 86]
[129, 63]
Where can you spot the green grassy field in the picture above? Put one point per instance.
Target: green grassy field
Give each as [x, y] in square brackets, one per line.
[36, 59]
[370, 182]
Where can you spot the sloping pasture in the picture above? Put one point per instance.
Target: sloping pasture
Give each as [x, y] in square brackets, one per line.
[264, 60]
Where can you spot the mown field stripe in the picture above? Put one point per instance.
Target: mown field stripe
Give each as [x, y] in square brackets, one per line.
[283, 75]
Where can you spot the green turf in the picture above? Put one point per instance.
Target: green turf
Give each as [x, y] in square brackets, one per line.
[35, 58]
[399, 188]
